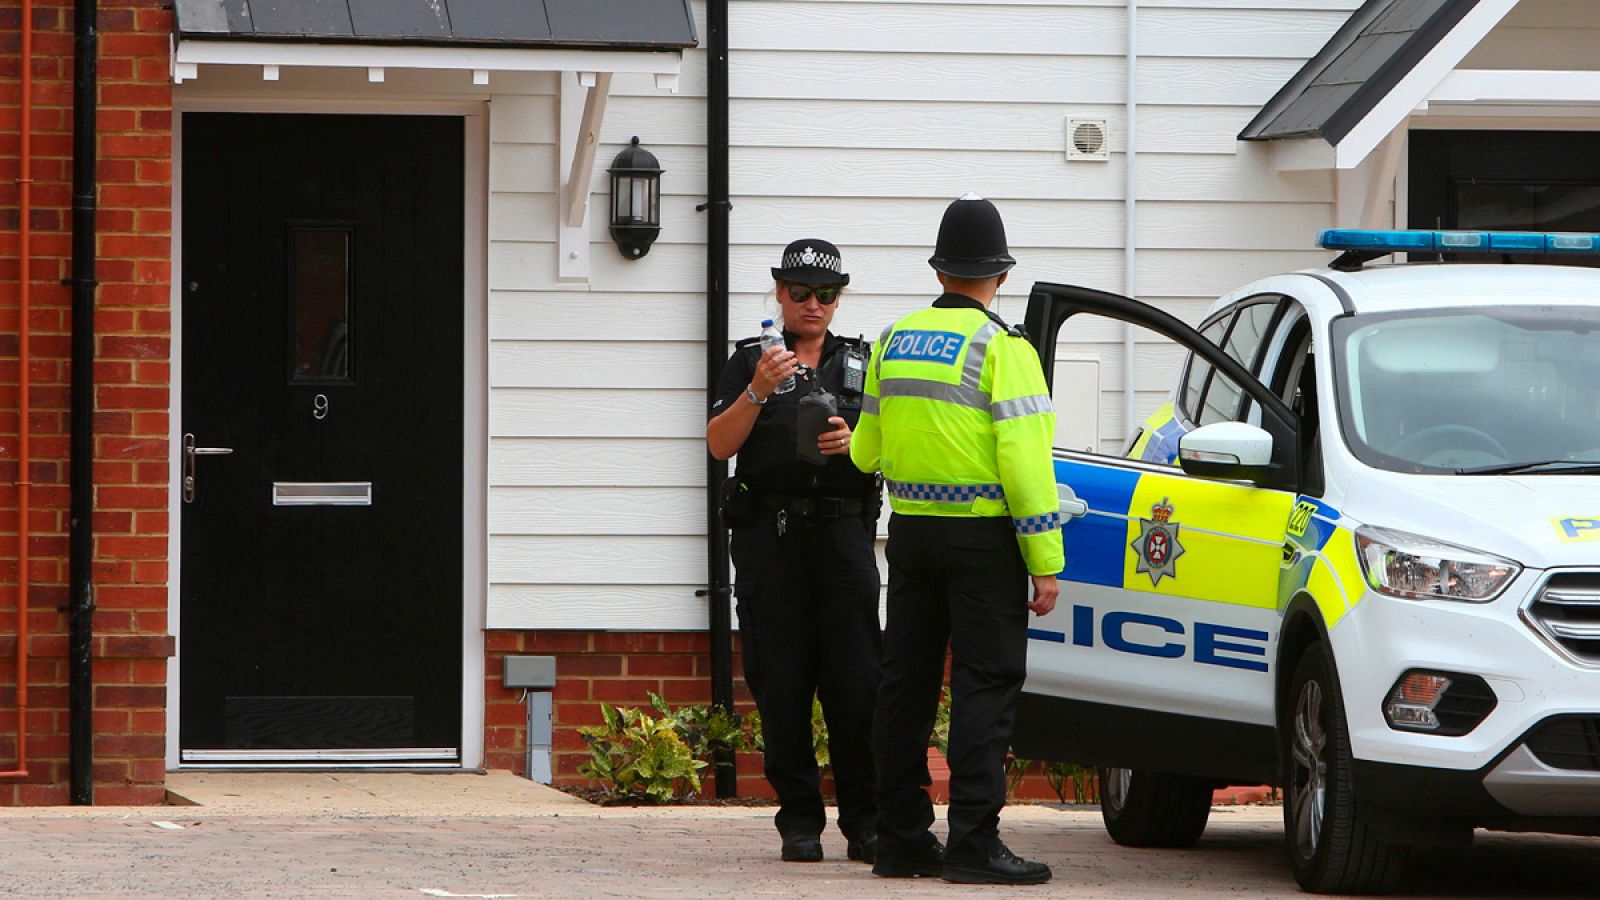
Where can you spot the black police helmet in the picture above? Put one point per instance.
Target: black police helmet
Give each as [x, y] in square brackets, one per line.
[812, 261]
[972, 241]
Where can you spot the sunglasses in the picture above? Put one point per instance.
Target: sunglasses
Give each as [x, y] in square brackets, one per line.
[800, 293]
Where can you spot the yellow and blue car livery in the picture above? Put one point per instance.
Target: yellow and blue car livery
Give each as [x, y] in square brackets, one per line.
[1158, 437]
[1433, 560]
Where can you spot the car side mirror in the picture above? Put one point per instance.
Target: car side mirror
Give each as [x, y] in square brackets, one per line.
[1233, 451]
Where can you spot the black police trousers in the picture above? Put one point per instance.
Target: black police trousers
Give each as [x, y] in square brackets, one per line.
[961, 583]
[808, 625]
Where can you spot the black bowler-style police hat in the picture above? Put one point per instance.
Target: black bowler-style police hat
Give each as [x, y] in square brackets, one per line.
[812, 261]
[972, 241]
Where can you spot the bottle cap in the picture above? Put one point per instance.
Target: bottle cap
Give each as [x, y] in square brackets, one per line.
[766, 323]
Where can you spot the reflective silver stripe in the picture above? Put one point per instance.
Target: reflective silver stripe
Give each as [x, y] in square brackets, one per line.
[883, 344]
[1021, 406]
[954, 394]
[977, 349]
[968, 393]
[869, 405]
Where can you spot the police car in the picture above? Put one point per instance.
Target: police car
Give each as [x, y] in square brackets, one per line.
[1357, 555]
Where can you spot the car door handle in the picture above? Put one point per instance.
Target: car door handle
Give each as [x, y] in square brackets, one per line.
[1071, 506]
[190, 451]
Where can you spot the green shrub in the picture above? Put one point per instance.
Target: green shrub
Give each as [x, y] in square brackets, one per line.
[1016, 770]
[940, 738]
[635, 755]
[657, 753]
[1085, 787]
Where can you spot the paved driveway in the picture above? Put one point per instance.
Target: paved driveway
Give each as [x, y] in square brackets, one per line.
[568, 849]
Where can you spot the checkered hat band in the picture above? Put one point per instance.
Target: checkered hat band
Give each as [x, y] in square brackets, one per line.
[1038, 524]
[944, 493]
[814, 259]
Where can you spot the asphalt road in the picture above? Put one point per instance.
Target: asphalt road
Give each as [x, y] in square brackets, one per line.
[175, 851]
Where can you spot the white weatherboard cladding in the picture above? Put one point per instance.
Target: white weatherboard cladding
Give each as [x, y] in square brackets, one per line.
[857, 122]
[1542, 34]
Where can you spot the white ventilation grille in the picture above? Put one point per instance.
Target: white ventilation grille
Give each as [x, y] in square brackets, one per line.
[1088, 139]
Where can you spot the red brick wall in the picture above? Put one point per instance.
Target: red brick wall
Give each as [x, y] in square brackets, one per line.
[132, 374]
[623, 668]
[620, 668]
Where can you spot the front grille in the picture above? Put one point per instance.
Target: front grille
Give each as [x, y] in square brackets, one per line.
[1570, 742]
[1567, 610]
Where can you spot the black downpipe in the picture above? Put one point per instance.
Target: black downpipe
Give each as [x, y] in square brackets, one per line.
[717, 206]
[80, 633]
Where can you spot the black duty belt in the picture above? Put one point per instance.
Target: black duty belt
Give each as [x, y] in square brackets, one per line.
[814, 507]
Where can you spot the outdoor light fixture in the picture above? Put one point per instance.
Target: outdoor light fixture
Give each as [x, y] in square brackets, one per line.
[635, 200]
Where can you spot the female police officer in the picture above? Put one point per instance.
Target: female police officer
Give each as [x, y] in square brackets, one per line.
[806, 577]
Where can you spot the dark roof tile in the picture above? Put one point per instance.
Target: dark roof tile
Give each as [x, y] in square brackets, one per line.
[641, 24]
[1364, 60]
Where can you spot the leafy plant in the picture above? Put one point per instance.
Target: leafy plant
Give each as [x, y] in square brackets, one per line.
[1085, 786]
[754, 738]
[1016, 770]
[705, 729]
[819, 738]
[940, 738]
[635, 754]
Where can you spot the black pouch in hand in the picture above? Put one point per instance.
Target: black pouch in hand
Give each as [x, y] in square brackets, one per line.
[736, 503]
[811, 419]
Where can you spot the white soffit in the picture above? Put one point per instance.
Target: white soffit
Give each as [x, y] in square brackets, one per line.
[188, 56]
[1535, 90]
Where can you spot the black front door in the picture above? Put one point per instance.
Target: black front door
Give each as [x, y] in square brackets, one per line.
[322, 317]
[1507, 181]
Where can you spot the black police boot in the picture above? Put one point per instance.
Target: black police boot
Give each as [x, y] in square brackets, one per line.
[863, 850]
[802, 848]
[999, 866]
[927, 860]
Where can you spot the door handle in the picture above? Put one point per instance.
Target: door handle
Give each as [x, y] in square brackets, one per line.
[190, 451]
[1071, 506]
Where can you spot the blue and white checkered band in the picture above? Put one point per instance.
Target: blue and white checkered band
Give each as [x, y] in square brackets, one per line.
[1038, 524]
[814, 259]
[944, 493]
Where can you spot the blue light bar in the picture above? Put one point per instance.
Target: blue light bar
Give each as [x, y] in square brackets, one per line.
[1458, 241]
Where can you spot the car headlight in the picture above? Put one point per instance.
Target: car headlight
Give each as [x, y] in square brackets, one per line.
[1420, 568]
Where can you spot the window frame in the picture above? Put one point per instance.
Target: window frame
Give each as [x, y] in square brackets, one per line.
[1232, 313]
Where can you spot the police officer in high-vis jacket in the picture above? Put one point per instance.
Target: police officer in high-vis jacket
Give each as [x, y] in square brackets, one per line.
[806, 575]
[958, 418]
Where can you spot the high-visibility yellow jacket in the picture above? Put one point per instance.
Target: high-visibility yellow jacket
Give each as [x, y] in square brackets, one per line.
[958, 418]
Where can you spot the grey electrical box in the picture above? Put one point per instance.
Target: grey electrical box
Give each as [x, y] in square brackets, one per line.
[536, 673]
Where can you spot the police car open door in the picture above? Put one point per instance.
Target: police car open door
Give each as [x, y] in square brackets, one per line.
[1165, 628]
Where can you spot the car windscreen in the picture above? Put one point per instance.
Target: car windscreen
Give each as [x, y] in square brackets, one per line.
[1471, 390]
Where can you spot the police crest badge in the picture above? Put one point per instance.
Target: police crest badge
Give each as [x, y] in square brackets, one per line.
[1157, 545]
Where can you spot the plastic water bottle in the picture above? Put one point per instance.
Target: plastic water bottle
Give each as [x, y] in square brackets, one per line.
[772, 337]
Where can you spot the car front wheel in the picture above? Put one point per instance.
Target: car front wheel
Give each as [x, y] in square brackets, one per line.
[1149, 809]
[1331, 849]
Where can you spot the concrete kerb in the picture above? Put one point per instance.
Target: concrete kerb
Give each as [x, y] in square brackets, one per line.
[354, 794]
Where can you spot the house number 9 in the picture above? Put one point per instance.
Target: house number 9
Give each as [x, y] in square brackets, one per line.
[319, 407]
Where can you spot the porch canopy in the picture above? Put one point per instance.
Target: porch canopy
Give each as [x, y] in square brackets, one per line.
[586, 41]
[1400, 64]
[477, 35]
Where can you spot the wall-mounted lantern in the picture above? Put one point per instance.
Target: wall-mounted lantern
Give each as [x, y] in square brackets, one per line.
[635, 200]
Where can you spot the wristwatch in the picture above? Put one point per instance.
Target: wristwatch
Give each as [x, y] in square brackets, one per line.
[750, 394]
